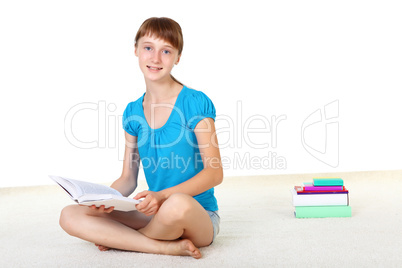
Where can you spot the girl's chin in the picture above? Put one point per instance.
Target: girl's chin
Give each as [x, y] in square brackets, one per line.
[156, 78]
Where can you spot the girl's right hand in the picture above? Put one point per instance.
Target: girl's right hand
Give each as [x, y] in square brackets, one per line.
[151, 202]
[102, 209]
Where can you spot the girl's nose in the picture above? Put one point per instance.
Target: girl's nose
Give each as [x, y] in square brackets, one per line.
[156, 57]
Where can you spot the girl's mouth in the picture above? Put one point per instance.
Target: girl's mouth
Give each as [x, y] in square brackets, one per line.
[154, 68]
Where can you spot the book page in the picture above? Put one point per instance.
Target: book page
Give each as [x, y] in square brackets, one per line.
[69, 187]
[93, 188]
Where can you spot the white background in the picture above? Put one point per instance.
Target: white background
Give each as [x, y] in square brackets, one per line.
[254, 59]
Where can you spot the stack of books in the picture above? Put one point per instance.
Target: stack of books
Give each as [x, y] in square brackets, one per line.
[324, 197]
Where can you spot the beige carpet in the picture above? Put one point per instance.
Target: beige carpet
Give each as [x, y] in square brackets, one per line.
[258, 228]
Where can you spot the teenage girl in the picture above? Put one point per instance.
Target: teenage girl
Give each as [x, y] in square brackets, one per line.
[171, 130]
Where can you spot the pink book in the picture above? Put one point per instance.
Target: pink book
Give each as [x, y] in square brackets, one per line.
[323, 188]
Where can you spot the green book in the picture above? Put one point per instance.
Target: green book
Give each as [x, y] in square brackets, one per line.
[323, 212]
[327, 182]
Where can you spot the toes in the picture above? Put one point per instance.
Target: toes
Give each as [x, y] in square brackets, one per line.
[102, 248]
[192, 250]
[196, 254]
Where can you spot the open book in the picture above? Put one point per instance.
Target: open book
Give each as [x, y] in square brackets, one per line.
[88, 194]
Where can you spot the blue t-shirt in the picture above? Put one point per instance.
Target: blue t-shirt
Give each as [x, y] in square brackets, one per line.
[170, 154]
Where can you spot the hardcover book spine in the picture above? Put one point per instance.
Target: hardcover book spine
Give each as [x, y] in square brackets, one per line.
[320, 199]
[300, 190]
[323, 188]
[322, 192]
[323, 211]
[327, 182]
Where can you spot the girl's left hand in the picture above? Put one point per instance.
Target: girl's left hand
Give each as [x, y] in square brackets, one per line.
[151, 202]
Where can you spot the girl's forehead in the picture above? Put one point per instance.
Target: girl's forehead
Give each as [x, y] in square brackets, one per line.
[154, 39]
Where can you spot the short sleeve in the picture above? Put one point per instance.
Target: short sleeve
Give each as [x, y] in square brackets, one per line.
[130, 120]
[199, 106]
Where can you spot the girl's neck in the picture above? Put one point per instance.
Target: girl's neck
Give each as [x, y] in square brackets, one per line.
[157, 92]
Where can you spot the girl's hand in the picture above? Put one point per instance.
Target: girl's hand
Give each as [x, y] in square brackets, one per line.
[102, 209]
[151, 202]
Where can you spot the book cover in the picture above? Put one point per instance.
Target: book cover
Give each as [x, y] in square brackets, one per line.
[120, 203]
[327, 182]
[326, 199]
[323, 212]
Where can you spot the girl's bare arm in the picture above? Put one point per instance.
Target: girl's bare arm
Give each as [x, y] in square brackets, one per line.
[127, 182]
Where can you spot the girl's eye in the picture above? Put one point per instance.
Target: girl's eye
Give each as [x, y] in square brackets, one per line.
[166, 52]
[147, 48]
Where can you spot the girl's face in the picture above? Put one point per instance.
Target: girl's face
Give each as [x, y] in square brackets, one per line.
[156, 58]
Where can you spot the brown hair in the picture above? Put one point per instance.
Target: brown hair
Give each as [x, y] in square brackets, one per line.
[165, 29]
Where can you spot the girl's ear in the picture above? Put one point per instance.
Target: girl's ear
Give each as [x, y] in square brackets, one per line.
[135, 51]
[178, 59]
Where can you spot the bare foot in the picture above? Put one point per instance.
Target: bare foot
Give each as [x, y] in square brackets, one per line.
[183, 247]
[102, 248]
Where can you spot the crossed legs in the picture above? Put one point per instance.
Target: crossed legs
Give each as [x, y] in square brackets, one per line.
[180, 216]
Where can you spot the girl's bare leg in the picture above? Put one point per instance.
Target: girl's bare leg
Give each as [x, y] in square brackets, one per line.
[103, 230]
[118, 229]
[181, 216]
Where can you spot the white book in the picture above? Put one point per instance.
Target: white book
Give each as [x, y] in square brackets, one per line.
[328, 199]
[88, 194]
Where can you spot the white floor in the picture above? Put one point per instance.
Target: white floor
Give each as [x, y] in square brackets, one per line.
[258, 228]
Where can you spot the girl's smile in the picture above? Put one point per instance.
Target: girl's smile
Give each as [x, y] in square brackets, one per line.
[153, 68]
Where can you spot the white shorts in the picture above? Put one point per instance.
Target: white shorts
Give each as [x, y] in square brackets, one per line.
[215, 222]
